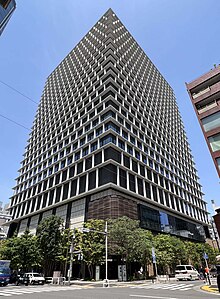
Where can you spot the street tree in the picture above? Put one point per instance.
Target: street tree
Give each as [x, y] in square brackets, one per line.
[49, 236]
[23, 251]
[92, 244]
[170, 251]
[129, 241]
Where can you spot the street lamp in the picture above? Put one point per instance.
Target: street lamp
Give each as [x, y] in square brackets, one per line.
[71, 257]
[87, 230]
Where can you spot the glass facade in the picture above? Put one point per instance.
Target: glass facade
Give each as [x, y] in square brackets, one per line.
[101, 126]
[215, 142]
[6, 10]
[211, 122]
[161, 221]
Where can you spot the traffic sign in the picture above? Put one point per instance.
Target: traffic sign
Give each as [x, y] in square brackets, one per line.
[205, 256]
[153, 255]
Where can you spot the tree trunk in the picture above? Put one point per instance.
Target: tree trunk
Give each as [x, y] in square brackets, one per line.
[90, 268]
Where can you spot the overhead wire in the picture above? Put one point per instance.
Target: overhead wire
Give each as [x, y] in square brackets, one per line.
[11, 120]
[23, 95]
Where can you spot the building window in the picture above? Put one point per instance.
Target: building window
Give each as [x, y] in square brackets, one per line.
[85, 151]
[211, 122]
[111, 125]
[94, 146]
[98, 158]
[92, 180]
[132, 182]
[154, 189]
[121, 144]
[79, 167]
[73, 187]
[51, 197]
[125, 135]
[65, 191]
[99, 131]
[88, 163]
[82, 184]
[107, 139]
[161, 196]
[108, 174]
[64, 175]
[214, 142]
[111, 153]
[148, 190]
[129, 149]
[58, 193]
[107, 115]
[134, 166]
[122, 178]
[71, 171]
[132, 140]
[140, 186]
[90, 136]
[82, 141]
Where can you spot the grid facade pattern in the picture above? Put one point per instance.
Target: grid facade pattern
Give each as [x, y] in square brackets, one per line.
[7, 7]
[106, 118]
[204, 93]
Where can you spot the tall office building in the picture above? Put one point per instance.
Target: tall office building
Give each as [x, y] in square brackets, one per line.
[7, 7]
[204, 93]
[108, 141]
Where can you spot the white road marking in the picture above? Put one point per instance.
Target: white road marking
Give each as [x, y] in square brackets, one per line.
[30, 290]
[152, 297]
[171, 287]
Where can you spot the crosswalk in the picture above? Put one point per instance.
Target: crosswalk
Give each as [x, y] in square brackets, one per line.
[11, 291]
[165, 286]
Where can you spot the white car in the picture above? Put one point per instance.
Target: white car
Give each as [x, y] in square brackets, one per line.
[33, 278]
[187, 272]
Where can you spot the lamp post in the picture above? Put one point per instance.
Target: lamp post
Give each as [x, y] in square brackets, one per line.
[87, 230]
[71, 257]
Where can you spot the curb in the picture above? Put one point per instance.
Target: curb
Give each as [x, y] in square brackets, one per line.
[210, 289]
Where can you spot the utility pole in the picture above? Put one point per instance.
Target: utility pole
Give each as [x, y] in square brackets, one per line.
[87, 230]
[71, 257]
[106, 252]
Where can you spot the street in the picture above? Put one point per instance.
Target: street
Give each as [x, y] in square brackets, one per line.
[169, 290]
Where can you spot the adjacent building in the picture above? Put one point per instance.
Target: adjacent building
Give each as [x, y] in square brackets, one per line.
[107, 141]
[7, 8]
[205, 96]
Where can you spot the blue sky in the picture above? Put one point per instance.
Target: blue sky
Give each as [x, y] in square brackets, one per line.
[181, 37]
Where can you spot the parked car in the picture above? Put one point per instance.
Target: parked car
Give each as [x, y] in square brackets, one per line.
[5, 272]
[214, 271]
[31, 278]
[187, 272]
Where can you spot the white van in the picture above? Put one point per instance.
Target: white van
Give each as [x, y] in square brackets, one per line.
[187, 272]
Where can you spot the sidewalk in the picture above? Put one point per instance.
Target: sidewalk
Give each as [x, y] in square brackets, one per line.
[115, 282]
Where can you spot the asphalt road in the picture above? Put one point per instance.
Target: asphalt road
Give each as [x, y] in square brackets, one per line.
[172, 290]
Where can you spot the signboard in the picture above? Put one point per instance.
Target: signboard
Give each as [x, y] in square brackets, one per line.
[205, 256]
[153, 255]
[97, 273]
[122, 273]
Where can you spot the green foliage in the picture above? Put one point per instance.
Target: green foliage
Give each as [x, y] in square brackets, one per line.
[23, 251]
[126, 239]
[129, 241]
[49, 236]
[170, 251]
[92, 244]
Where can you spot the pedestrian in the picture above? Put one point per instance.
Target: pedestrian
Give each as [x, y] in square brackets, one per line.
[207, 278]
[218, 281]
[201, 273]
